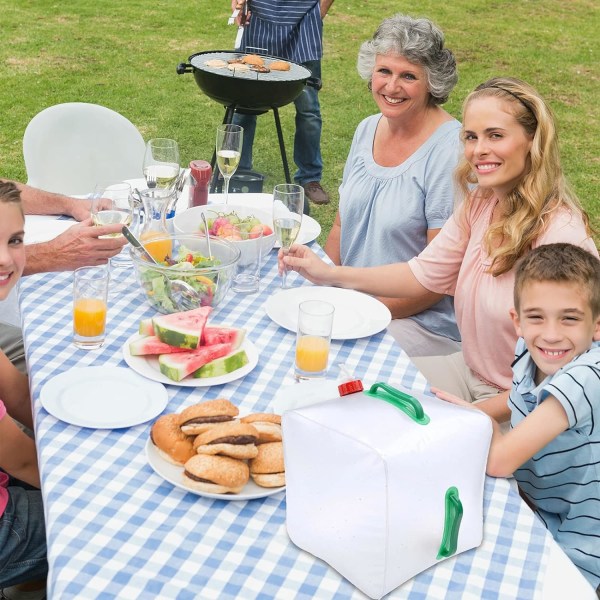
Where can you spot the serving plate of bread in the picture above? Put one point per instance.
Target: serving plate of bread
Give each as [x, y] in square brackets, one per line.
[209, 450]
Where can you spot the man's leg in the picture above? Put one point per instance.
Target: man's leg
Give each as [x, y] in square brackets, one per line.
[307, 140]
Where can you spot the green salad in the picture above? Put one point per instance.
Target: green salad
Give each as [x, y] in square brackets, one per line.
[158, 290]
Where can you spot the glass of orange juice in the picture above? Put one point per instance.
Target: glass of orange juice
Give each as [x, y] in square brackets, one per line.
[315, 323]
[90, 292]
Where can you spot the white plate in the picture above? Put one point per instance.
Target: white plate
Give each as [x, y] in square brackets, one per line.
[103, 397]
[148, 367]
[310, 230]
[174, 475]
[356, 315]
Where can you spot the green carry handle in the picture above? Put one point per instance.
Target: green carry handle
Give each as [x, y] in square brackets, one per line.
[454, 513]
[406, 403]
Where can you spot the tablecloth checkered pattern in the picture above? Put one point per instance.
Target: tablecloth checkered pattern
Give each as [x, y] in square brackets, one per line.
[117, 530]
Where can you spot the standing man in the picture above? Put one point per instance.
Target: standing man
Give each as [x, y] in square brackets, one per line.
[293, 30]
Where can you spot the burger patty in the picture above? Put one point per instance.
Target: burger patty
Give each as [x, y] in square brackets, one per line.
[235, 439]
[196, 478]
[209, 419]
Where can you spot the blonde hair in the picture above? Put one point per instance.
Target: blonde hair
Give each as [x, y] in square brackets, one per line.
[542, 188]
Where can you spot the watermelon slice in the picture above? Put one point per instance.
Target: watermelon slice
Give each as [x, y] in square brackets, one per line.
[182, 329]
[151, 345]
[222, 366]
[146, 327]
[181, 364]
[223, 335]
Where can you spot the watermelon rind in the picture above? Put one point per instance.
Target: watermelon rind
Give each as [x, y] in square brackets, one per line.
[151, 345]
[223, 335]
[146, 327]
[179, 365]
[223, 366]
[182, 329]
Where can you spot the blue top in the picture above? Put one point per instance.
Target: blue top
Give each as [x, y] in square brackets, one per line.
[563, 479]
[386, 211]
[290, 29]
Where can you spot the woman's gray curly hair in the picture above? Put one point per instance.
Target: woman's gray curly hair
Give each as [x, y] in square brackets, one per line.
[420, 42]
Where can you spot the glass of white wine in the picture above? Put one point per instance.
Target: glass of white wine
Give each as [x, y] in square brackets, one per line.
[288, 207]
[229, 151]
[113, 203]
[161, 163]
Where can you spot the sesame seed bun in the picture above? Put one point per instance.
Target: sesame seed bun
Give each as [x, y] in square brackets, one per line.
[215, 474]
[268, 426]
[198, 418]
[234, 439]
[267, 469]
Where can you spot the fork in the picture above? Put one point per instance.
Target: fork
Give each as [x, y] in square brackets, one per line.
[151, 181]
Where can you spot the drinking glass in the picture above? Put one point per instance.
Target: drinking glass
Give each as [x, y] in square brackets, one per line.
[288, 206]
[90, 290]
[113, 203]
[161, 163]
[313, 337]
[229, 151]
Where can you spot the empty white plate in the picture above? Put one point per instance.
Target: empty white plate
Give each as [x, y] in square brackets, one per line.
[103, 397]
[356, 315]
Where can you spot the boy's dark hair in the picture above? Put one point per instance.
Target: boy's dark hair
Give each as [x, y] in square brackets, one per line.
[9, 192]
[563, 263]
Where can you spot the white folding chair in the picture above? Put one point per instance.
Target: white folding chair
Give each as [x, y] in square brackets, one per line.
[68, 148]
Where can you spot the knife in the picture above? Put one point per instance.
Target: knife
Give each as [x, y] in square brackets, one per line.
[135, 242]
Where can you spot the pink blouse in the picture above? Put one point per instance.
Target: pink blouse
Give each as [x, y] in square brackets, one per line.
[3, 476]
[456, 263]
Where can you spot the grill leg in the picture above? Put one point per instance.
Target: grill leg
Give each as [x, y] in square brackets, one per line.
[228, 118]
[286, 169]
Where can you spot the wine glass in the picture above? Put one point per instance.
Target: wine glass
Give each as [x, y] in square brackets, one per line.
[229, 151]
[161, 163]
[288, 206]
[113, 203]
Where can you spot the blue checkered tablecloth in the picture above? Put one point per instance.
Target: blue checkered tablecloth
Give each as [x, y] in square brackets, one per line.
[118, 530]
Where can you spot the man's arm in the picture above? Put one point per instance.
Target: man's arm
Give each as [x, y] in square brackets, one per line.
[79, 246]
[40, 202]
[325, 6]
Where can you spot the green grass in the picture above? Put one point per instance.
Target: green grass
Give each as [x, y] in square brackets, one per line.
[124, 54]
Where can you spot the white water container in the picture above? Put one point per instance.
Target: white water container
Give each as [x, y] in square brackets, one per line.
[384, 486]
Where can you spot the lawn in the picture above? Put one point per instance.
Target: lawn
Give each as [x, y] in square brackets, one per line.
[124, 55]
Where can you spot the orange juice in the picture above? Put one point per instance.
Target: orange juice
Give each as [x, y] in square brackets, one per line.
[312, 353]
[89, 317]
[158, 249]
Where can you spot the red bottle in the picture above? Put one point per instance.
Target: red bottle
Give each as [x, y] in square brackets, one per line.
[201, 172]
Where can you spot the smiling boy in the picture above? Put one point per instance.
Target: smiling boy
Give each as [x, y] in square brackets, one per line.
[553, 447]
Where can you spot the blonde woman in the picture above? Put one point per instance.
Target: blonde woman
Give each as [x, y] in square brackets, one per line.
[520, 201]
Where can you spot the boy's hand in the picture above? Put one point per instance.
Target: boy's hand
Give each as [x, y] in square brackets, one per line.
[448, 397]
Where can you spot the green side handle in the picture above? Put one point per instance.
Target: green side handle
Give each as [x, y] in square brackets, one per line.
[454, 513]
[406, 403]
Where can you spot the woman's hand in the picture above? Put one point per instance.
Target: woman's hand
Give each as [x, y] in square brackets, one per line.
[451, 398]
[307, 263]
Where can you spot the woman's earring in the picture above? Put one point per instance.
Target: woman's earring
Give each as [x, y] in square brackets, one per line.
[370, 86]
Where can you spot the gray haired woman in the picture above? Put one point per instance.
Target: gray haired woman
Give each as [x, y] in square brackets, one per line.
[397, 188]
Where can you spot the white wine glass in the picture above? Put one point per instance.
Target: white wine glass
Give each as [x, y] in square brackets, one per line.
[161, 163]
[113, 203]
[229, 151]
[288, 207]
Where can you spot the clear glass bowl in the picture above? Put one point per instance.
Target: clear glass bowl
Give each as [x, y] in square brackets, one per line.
[201, 285]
